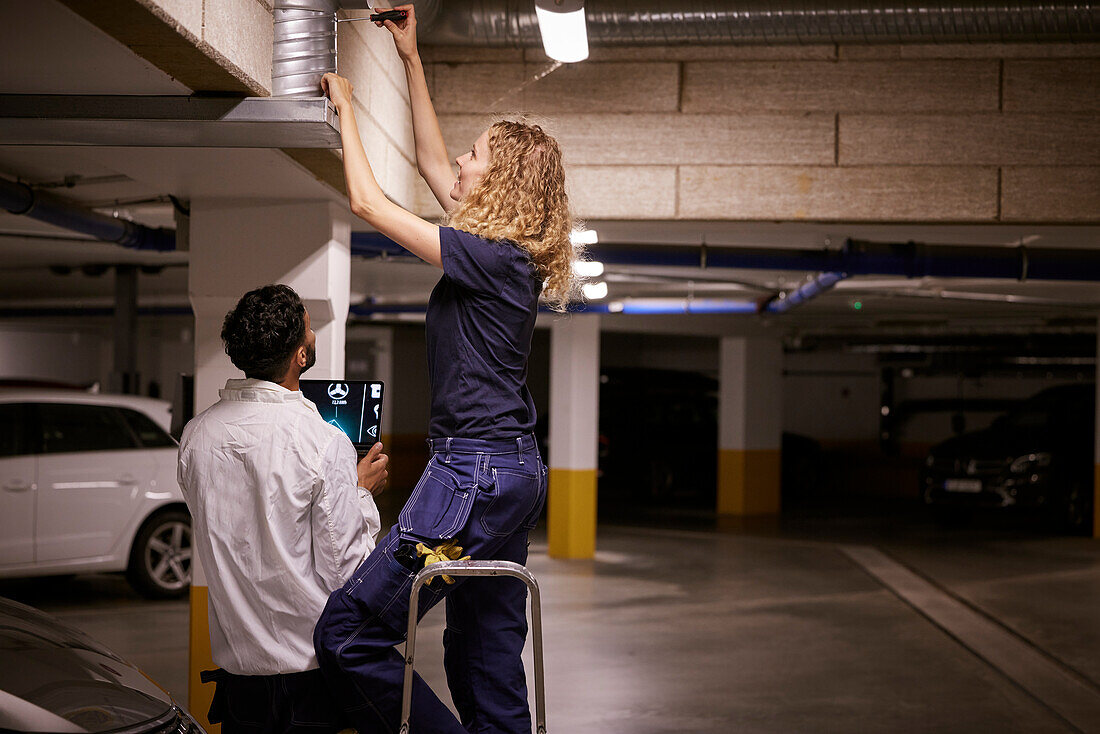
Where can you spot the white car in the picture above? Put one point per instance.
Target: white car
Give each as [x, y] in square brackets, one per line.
[88, 483]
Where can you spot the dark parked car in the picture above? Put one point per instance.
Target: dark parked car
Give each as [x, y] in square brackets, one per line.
[54, 678]
[658, 439]
[1038, 456]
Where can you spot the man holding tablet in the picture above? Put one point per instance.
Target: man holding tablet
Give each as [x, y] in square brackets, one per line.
[282, 513]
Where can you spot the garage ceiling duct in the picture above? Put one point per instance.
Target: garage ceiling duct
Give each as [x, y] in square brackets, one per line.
[304, 47]
[655, 22]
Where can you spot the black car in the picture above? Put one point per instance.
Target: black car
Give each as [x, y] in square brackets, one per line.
[54, 678]
[1038, 457]
[658, 439]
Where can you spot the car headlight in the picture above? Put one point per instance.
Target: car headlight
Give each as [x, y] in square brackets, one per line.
[186, 724]
[1027, 462]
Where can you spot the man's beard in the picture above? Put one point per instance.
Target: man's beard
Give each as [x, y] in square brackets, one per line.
[311, 357]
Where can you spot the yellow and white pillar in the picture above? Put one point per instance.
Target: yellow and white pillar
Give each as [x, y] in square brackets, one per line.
[750, 426]
[574, 435]
[236, 247]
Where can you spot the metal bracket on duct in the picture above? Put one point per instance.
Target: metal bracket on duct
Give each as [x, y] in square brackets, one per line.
[18, 198]
[168, 121]
[774, 22]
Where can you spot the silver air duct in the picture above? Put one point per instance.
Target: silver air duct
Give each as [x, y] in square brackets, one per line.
[305, 30]
[304, 48]
[654, 22]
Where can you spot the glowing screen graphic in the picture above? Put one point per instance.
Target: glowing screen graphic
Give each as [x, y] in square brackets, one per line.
[353, 406]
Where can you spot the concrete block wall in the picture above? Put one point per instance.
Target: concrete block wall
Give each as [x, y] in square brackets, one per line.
[367, 57]
[949, 133]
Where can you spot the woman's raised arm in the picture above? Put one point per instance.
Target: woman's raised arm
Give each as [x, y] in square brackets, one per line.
[431, 153]
[368, 201]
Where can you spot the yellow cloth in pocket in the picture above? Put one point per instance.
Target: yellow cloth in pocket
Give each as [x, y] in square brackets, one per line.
[449, 551]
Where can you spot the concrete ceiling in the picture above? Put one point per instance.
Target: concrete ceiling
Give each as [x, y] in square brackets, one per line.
[48, 49]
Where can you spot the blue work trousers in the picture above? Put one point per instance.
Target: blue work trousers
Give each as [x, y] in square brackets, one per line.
[485, 496]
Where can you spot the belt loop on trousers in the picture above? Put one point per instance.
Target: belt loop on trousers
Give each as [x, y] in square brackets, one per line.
[519, 449]
[447, 458]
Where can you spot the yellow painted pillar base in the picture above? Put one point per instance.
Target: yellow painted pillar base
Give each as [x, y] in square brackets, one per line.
[199, 694]
[1096, 504]
[571, 513]
[748, 482]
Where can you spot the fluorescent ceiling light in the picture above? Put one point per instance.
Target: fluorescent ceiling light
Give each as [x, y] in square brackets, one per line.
[564, 34]
[588, 268]
[594, 291]
[584, 237]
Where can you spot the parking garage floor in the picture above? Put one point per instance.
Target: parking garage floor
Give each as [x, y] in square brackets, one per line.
[838, 625]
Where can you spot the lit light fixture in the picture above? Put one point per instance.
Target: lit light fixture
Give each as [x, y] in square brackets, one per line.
[594, 291]
[588, 268]
[564, 35]
[583, 237]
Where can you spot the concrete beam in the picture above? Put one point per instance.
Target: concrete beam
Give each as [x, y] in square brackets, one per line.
[225, 47]
[170, 40]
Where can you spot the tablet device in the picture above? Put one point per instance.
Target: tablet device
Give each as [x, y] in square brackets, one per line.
[353, 406]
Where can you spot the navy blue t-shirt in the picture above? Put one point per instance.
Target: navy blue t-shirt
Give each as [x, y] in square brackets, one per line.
[480, 319]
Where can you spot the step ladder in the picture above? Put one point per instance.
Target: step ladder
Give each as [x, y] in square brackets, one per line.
[476, 568]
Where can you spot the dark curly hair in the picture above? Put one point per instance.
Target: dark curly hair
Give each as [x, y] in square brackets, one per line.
[264, 329]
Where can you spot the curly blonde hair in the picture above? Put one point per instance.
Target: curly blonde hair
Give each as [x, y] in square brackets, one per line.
[521, 197]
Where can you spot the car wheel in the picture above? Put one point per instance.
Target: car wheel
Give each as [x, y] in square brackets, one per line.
[160, 562]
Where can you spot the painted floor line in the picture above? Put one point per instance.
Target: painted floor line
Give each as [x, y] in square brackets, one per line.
[1053, 685]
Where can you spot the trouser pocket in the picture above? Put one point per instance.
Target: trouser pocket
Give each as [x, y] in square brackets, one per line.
[514, 497]
[439, 505]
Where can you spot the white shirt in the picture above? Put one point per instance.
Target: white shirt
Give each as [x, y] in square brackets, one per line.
[279, 522]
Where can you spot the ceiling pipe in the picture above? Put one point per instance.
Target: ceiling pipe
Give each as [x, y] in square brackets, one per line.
[773, 22]
[644, 306]
[857, 257]
[810, 290]
[304, 45]
[20, 199]
[27, 312]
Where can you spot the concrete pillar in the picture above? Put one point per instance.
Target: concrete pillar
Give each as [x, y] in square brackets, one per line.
[124, 376]
[1096, 454]
[750, 426]
[574, 435]
[236, 247]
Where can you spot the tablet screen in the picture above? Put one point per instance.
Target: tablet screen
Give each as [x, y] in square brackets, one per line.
[353, 406]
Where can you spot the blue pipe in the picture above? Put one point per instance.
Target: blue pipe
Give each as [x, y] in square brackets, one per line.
[814, 288]
[90, 311]
[374, 244]
[19, 198]
[909, 259]
[648, 307]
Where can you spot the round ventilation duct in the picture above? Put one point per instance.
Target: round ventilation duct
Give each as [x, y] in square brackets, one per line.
[669, 22]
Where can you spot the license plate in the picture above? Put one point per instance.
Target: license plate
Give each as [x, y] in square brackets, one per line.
[972, 486]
